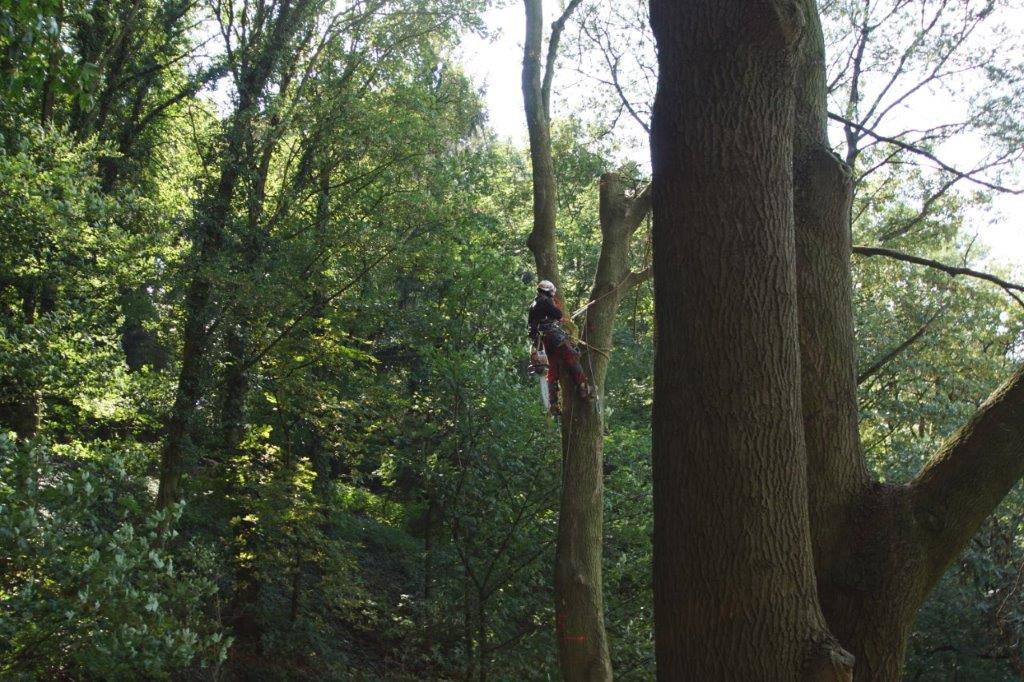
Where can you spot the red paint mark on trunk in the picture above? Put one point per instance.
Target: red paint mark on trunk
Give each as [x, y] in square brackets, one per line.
[560, 622]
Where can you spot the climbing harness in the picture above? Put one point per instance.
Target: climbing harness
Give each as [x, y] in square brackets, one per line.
[551, 337]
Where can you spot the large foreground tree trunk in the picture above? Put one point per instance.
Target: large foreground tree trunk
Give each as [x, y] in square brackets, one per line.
[756, 453]
[734, 586]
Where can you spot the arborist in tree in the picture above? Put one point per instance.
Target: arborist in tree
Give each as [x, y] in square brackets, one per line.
[546, 334]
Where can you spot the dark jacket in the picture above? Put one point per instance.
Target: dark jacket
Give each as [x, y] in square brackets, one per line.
[543, 316]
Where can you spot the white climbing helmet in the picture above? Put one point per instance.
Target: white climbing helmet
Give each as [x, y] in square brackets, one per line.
[546, 286]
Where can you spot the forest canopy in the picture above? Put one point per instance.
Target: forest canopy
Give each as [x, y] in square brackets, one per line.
[264, 276]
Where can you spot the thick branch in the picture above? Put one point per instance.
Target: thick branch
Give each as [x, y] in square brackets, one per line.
[951, 270]
[970, 475]
[822, 195]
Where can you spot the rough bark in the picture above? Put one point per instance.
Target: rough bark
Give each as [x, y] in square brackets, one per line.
[582, 644]
[901, 539]
[734, 585]
[970, 475]
[724, 390]
[822, 195]
[862, 532]
[879, 549]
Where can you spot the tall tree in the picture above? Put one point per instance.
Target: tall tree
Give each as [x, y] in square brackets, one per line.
[257, 40]
[756, 452]
[733, 566]
[579, 600]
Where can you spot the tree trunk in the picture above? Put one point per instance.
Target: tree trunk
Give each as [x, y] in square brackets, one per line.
[738, 508]
[857, 558]
[179, 448]
[579, 603]
[582, 644]
[822, 195]
[481, 637]
[542, 238]
[256, 70]
[734, 585]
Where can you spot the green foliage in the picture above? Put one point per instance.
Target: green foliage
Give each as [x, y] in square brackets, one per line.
[966, 337]
[372, 488]
[93, 584]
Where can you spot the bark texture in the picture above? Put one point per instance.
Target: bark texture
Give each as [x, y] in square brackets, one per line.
[742, 92]
[734, 586]
[822, 195]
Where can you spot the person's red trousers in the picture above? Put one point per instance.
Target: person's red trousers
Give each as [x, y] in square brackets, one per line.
[562, 357]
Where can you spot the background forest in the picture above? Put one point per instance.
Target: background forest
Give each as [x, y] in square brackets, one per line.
[263, 278]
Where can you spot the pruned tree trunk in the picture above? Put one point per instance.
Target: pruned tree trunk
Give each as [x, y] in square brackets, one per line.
[579, 602]
[582, 644]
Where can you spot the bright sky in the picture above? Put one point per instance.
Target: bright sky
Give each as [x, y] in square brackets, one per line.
[495, 65]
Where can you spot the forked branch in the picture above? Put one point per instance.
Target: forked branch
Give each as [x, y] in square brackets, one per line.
[967, 175]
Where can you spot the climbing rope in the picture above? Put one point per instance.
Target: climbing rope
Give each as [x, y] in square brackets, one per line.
[595, 300]
[605, 352]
